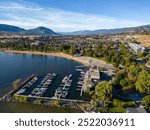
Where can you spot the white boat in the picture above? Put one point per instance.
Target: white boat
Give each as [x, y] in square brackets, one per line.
[80, 83]
[70, 76]
[63, 88]
[78, 69]
[54, 74]
[68, 84]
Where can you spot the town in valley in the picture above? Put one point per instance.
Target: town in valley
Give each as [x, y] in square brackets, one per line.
[62, 57]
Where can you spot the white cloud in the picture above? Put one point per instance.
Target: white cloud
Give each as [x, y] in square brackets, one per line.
[29, 15]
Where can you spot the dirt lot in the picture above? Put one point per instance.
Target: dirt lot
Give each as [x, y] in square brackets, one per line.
[144, 39]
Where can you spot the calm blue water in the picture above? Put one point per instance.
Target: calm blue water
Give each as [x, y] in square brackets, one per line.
[21, 66]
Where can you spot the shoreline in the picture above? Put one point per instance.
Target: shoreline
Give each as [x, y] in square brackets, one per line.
[81, 59]
[57, 54]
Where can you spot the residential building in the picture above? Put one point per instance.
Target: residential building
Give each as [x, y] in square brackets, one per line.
[94, 73]
[140, 109]
[136, 47]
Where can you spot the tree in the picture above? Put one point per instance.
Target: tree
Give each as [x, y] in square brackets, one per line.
[133, 72]
[88, 52]
[22, 99]
[143, 82]
[25, 99]
[56, 102]
[72, 51]
[117, 103]
[16, 83]
[126, 84]
[146, 101]
[39, 101]
[148, 61]
[103, 92]
[97, 52]
[119, 76]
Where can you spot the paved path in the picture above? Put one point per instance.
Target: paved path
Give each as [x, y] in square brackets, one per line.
[95, 62]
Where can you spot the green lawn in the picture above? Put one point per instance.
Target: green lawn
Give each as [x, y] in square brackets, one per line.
[117, 110]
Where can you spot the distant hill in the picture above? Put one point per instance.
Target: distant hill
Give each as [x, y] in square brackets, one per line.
[40, 31]
[10, 28]
[139, 29]
[46, 31]
[37, 31]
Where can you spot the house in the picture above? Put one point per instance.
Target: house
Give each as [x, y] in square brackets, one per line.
[136, 47]
[35, 43]
[92, 78]
[94, 73]
[140, 109]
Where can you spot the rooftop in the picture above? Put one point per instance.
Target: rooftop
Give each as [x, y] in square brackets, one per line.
[94, 73]
[140, 109]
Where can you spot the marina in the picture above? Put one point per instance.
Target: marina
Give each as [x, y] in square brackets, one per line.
[39, 89]
[44, 81]
[37, 94]
[37, 86]
[42, 67]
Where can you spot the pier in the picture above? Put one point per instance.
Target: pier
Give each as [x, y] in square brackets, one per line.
[80, 66]
[81, 82]
[63, 91]
[31, 88]
[12, 92]
[60, 99]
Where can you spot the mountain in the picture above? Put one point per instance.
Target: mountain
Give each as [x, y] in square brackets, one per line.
[10, 28]
[46, 31]
[81, 32]
[139, 29]
[40, 31]
[14, 29]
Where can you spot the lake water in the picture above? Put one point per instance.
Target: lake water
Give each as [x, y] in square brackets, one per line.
[21, 66]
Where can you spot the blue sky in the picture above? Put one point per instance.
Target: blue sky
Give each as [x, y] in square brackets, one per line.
[73, 15]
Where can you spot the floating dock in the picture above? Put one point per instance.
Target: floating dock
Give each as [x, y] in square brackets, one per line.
[63, 91]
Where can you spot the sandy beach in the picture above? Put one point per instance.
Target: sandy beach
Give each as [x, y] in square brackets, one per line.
[81, 59]
[48, 54]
